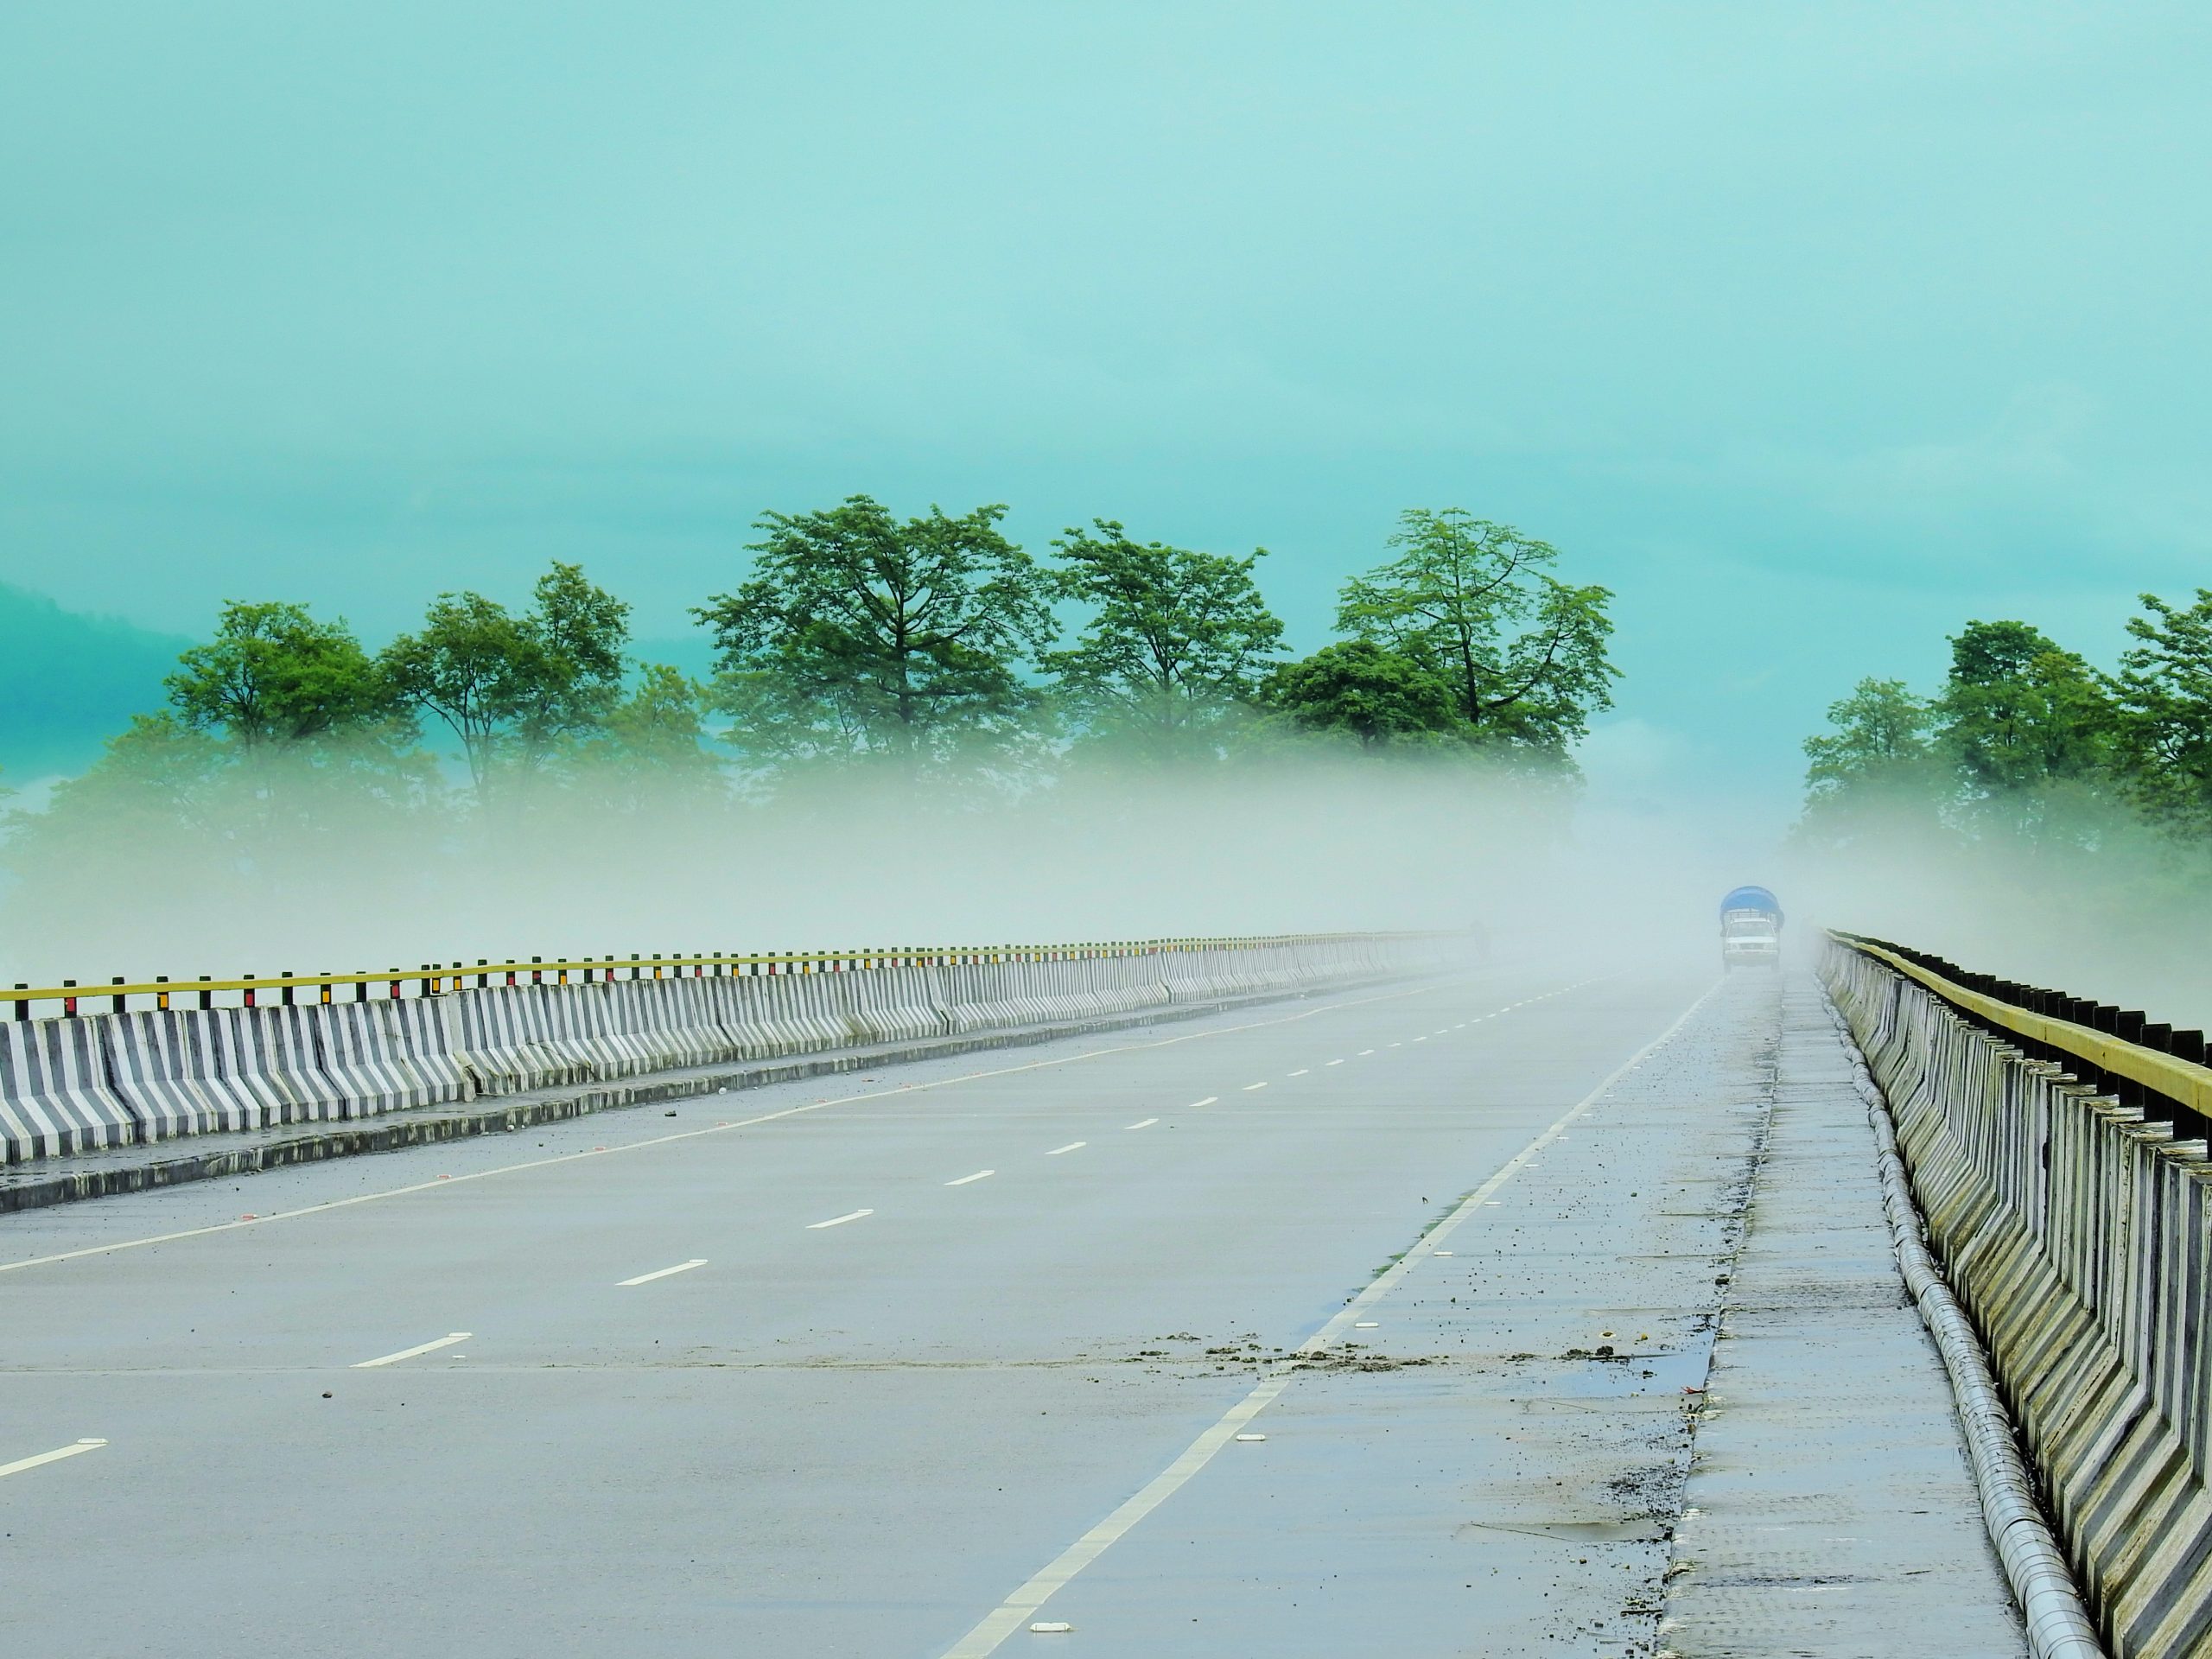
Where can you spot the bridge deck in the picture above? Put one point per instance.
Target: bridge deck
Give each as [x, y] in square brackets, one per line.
[820, 1383]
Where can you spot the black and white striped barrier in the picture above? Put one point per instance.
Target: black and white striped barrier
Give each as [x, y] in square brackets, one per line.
[83, 1082]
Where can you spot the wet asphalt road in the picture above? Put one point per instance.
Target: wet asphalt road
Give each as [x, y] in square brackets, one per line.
[891, 1351]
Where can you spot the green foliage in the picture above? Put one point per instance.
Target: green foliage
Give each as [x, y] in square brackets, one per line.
[861, 636]
[649, 747]
[513, 687]
[2163, 694]
[1381, 697]
[1878, 764]
[2019, 713]
[1176, 640]
[289, 753]
[1475, 604]
[274, 675]
[2028, 742]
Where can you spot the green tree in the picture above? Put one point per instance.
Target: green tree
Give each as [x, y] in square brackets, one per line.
[1475, 604]
[2020, 712]
[860, 635]
[1380, 696]
[514, 689]
[1176, 638]
[649, 747]
[1877, 764]
[273, 675]
[2029, 727]
[2164, 692]
[576, 634]
[156, 792]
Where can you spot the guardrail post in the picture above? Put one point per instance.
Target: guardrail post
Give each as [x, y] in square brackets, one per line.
[248, 990]
[322, 991]
[161, 998]
[286, 993]
[68, 1004]
[119, 1001]
[23, 1003]
[207, 998]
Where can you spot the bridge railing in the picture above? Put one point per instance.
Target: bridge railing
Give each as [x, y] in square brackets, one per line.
[2138, 1061]
[70, 998]
[2056, 1146]
[319, 1047]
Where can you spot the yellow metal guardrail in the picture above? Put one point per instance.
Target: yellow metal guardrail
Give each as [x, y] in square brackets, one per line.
[2165, 1074]
[437, 978]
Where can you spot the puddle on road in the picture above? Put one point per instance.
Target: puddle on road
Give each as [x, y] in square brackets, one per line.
[1662, 1373]
[1634, 1529]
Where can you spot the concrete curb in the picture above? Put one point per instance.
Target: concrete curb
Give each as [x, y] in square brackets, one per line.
[2059, 1625]
[420, 1127]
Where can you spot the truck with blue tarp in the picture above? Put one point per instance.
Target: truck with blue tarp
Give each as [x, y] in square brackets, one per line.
[1750, 929]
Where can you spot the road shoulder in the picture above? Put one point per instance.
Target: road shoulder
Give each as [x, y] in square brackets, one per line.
[1830, 1510]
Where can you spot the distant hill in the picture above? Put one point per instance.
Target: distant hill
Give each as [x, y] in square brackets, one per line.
[68, 681]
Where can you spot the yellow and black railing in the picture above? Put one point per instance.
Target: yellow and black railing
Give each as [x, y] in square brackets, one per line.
[440, 978]
[2119, 1051]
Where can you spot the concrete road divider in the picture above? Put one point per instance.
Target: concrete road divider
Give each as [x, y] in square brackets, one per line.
[78, 1083]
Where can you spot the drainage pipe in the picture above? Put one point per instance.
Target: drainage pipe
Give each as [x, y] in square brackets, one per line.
[2059, 1625]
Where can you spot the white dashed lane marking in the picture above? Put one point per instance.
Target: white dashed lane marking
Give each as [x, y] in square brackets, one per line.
[1020, 1608]
[661, 1273]
[979, 1175]
[1070, 1147]
[418, 1350]
[1147, 1124]
[54, 1456]
[837, 1221]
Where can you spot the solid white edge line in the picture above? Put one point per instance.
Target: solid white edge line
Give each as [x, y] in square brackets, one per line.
[1070, 1147]
[837, 1221]
[977, 1176]
[54, 1456]
[1147, 1124]
[410, 1353]
[447, 1184]
[661, 1273]
[1010, 1616]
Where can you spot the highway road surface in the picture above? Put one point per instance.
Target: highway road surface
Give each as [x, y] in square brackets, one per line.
[1354, 1325]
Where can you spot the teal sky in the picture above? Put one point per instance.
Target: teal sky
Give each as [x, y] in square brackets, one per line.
[1812, 330]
